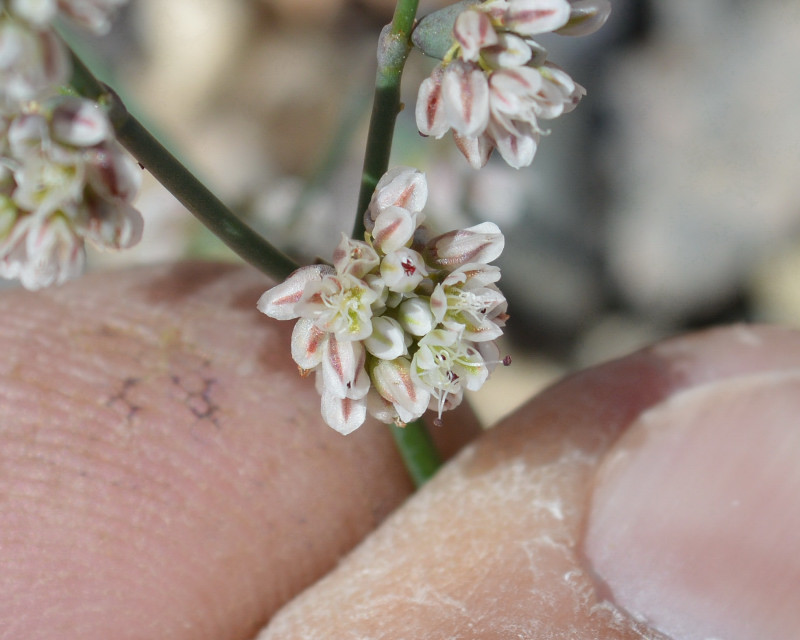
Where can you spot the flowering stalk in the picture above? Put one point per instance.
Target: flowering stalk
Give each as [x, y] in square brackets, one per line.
[393, 48]
[413, 440]
[192, 193]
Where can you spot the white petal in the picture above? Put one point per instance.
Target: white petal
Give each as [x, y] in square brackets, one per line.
[343, 414]
[465, 92]
[404, 187]
[529, 17]
[394, 227]
[80, 123]
[387, 340]
[392, 379]
[415, 315]
[307, 344]
[113, 225]
[586, 16]
[279, 302]
[403, 270]
[340, 363]
[355, 257]
[37, 12]
[473, 30]
[475, 149]
[510, 51]
[429, 111]
[516, 148]
[481, 243]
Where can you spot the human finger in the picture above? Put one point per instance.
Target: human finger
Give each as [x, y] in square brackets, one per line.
[164, 472]
[550, 525]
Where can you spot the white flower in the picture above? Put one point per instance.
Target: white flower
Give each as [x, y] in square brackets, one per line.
[397, 325]
[67, 181]
[446, 365]
[467, 301]
[495, 85]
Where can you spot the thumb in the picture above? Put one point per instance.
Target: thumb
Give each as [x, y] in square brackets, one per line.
[652, 495]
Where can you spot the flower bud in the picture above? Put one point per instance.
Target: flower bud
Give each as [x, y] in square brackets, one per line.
[392, 380]
[79, 123]
[481, 243]
[586, 16]
[415, 316]
[400, 187]
[387, 340]
[394, 227]
[403, 270]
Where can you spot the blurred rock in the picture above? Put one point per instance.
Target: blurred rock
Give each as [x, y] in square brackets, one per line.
[704, 156]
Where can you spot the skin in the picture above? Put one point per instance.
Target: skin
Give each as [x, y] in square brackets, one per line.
[164, 474]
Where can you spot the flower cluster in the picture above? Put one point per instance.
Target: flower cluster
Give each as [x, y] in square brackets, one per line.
[63, 180]
[63, 177]
[33, 61]
[400, 322]
[495, 84]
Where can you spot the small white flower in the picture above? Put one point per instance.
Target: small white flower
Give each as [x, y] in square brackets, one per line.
[468, 302]
[394, 382]
[339, 304]
[41, 252]
[446, 365]
[403, 270]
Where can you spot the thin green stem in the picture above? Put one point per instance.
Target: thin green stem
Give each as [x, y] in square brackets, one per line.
[393, 48]
[419, 453]
[413, 441]
[192, 193]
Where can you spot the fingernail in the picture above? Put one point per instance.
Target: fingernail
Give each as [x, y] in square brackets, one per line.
[694, 520]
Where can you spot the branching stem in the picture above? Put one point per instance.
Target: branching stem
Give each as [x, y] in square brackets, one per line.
[192, 193]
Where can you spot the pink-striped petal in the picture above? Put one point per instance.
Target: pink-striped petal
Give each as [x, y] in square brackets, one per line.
[476, 149]
[482, 243]
[308, 342]
[279, 302]
[429, 112]
[465, 92]
[345, 415]
[530, 17]
[473, 31]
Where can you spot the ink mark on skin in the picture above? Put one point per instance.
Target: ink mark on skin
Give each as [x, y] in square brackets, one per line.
[197, 391]
[123, 401]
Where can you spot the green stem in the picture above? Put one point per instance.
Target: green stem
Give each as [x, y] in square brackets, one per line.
[419, 453]
[393, 48]
[192, 193]
[414, 442]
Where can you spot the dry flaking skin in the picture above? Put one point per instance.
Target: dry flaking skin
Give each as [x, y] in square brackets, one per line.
[492, 547]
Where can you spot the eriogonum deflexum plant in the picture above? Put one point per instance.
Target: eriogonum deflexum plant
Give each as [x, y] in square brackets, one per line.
[63, 180]
[495, 83]
[401, 322]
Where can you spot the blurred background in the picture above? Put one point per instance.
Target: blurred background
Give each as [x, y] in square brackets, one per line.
[668, 201]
